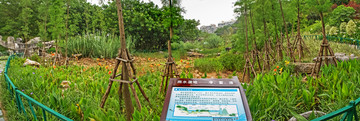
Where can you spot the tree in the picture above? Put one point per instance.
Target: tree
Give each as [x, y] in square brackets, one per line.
[289, 52]
[322, 6]
[9, 19]
[24, 17]
[56, 23]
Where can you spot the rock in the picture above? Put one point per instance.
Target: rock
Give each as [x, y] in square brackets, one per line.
[10, 39]
[343, 58]
[77, 55]
[31, 63]
[307, 115]
[161, 52]
[34, 41]
[2, 119]
[194, 54]
[196, 71]
[352, 55]
[303, 67]
[197, 76]
[65, 84]
[19, 40]
[340, 54]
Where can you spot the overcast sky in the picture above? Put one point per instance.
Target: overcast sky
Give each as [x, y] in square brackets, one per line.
[207, 11]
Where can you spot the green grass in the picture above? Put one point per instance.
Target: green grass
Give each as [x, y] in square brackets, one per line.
[97, 46]
[86, 89]
[314, 48]
[274, 97]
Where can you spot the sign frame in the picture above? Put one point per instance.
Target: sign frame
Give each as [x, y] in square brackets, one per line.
[205, 83]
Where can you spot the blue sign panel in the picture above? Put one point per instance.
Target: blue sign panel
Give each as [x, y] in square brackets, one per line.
[205, 104]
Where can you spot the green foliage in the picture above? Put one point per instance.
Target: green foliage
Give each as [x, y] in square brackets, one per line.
[327, 29]
[145, 22]
[333, 31]
[314, 28]
[24, 17]
[213, 41]
[208, 65]
[343, 28]
[97, 46]
[339, 2]
[57, 24]
[319, 5]
[341, 14]
[351, 28]
[81, 101]
[232, 62]
[275, 97]
[35, 57]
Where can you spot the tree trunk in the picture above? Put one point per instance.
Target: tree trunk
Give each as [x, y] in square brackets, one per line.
[267, 59]
[298, 36]
[278, 43]
[247, 69]
[324, 37]
[254, 43]
[171, 31]
[66, 32]
[289, 53]
[125, 71]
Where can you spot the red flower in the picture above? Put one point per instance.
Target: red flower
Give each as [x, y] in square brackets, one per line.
[275, 70]
[277, 66]
[109, 72]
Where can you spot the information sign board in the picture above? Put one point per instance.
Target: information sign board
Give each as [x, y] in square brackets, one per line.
[205, 100]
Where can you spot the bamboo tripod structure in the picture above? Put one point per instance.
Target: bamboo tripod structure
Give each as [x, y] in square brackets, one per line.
[328, 55]
[255, 51]
[248, 65]
[267, 54]
[289, 50]
[170, 66]
[128, 72]
[169, 72]
[299, 43]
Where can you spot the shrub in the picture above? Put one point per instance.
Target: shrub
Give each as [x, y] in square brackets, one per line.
[341, 14]
[333, 31]
[213, 41]
[231, 61]
[351, 28]
[189, 45]
[342, 28]
[183, 53]
[99, 46]
[208, 65]
[315, 28]
[273, 97]
[35, 57]
[175, 46]
[327, 29]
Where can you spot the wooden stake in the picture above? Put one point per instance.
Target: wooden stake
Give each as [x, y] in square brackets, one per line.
[170, 66]
[128, 71]
[324, 46]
